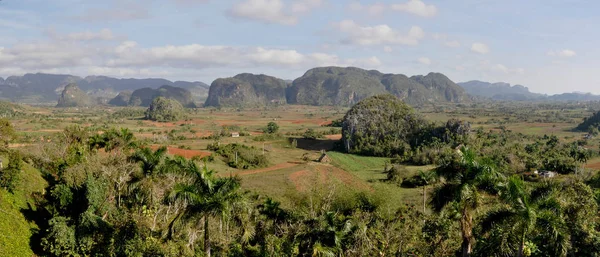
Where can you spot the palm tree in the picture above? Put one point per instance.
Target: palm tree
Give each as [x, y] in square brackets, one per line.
[525, 212]
[205, 196]
[464, 180]
[426, 178]
[151, 163]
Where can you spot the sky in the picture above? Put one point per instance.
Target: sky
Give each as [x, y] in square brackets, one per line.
[550, 46]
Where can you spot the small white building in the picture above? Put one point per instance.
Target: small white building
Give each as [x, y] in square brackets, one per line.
[235, 134]
[547, 174]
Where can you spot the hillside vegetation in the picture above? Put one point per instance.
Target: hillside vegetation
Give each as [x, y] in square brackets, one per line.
[145, 96]
[246, 90]
[347, 86]
[72, 96]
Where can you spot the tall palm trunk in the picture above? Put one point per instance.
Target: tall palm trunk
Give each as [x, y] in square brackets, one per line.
[466, 223]
[206, 237]
[424, 199]
[522, 245]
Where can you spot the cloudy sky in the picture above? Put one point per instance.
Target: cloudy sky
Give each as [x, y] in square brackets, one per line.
[551, 46]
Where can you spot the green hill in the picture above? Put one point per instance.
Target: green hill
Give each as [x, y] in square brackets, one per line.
[144, 96]
[347, 86]
[122, 99]
[72, 96]
[246, 90]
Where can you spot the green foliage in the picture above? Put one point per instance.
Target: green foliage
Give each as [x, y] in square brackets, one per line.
[311, 134]
[164, 110]
[128, 113]
[240, 156]
[347, 86]
[272, 128]
[380, 126]
[72, 96]
[246, 90]
[10, 175]
[7, 132]
[589, 123]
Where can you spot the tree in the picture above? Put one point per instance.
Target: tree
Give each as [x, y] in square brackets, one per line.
[205, 196]
[9, 176]
[165, 109]
[465, 178]
[7, 132]
[380, 125]
[272, 128]
[426, 178]
[525, 213]
[151, 163]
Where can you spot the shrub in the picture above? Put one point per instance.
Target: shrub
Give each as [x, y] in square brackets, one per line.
[271, 128]
[164, 109]
[240, 156]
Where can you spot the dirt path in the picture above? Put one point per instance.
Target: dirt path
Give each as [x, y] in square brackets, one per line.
[279, 166]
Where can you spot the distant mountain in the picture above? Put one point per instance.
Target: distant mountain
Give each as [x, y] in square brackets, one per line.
[576, 96]
[500, 91]
[505, 92]
[144, 96]
[40, 87]
[347, 86]
[72, 96]
[246, 90]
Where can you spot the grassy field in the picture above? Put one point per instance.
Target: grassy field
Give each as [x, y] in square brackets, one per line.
[289, 175]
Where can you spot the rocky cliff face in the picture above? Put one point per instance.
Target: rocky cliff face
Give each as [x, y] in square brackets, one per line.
[347, 86]
[144, 96]
[72, 96]
[246, 90]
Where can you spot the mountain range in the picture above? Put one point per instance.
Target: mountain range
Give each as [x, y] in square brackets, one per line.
[46, 88]
[333, 86]
[341, 86]
[501, 91]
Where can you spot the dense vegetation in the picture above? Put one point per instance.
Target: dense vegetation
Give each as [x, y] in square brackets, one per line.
[246, 90]
[165, 109]
[347, 86]
[108, 193]
[145, 96]
[72, 96]
[590, 124]
[240, 156]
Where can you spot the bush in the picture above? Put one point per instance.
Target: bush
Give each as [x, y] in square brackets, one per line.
[240, 156]
[164, 109]
[271, 128]
[380, 126]
[9, 176]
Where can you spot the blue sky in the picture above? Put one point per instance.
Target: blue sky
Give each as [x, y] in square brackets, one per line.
[549, 46]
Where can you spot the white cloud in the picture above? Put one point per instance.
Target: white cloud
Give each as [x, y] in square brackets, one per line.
[416, 7]
[444, 38]
[372, 9]
[563, 53]
[452, 43]
[377, 35]
[273, 11]
[129, 58]
[480, 48]
[120, 11]
[459, 68]
[102, 35]
[269, 11]
[388, 49]
[424, 60]
[304, 6]
[500, 68]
